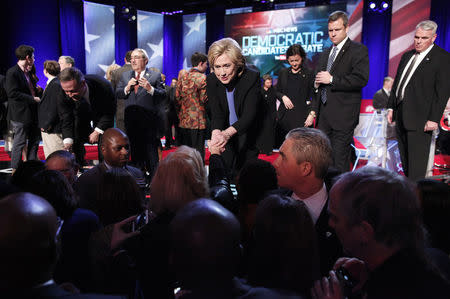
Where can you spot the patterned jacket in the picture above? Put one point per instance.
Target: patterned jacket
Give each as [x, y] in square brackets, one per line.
[191, 98]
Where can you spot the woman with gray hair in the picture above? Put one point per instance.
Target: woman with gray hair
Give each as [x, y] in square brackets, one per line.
[233, 99]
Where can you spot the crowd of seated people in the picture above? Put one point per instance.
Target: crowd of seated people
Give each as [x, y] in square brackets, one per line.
[194, 239]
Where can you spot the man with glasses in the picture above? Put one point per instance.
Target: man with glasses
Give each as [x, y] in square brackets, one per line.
[143, 91]
[88, 110]
[418, 98]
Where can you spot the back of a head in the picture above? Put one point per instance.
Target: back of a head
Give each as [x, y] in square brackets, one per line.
[205, 244]
[435, 201]
[22, 177]
[385, 200]
[54, 187]
[198, 57]
[27, 241]
[285, 251]
[255, 179]
[179, 179]
[118, 196]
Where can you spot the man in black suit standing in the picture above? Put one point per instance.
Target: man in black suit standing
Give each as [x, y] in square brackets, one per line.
[89, 99]
[418, 98]
[301, 167]
[116, 75]
[143, 91]
[381, 97]
[343, 70]
[49, 109]
[23, 97]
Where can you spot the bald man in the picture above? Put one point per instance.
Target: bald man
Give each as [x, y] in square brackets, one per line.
[28, 226]
[206, 252]
[115, 149]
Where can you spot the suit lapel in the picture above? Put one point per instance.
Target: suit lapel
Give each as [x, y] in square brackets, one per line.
[340, 55]
[423, 64]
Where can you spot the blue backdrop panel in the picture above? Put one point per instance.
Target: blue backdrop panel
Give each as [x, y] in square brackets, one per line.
[173, 45]
[194, 36]
[150, 36]
[99, 42]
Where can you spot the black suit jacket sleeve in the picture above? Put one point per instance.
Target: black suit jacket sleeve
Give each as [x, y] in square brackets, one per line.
[16, 86]
[358, 77]
[103, 103]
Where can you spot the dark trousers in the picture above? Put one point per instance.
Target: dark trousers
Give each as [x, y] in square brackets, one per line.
[194, 138]
[120, 123]
[341, 141]
[414, 148]
[140, 125]
[235, 156]
[171, 120]
[79, 150]
[22, 134]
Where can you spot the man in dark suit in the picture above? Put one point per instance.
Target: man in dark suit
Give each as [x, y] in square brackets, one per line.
[29, 250]
[89, 99]
[301, 167]
[144, 123]
[343, 70]
[418, 98]
[23, 97]
[116, 75]
[49, 109]
[381, 97]
[115, 149]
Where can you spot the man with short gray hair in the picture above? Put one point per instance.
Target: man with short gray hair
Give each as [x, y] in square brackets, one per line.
[65, 62]
[418, 98]
[143, 91]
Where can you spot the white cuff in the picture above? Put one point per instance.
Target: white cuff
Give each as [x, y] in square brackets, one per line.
[99, 130]
[68, 141]
[151, 90]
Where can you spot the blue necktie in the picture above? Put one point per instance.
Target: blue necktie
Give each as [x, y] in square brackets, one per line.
[329, 65]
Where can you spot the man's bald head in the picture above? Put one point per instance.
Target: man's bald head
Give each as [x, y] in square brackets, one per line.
[115, 147]
[205, 239]
[28, 227]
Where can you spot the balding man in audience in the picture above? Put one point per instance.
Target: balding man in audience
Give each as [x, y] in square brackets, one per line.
[206, 252]
[115, 149]
[64, 162]
[28, 249]
[376, 215]
[302, 166]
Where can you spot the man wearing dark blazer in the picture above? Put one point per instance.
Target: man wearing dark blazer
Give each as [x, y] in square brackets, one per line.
[418, 98]
[89, 99]
[29, 250]
[116, 76]
[302, 166]
[143, 92]
[49, 109]
[381, 97]
[23, 97]
[343, 70]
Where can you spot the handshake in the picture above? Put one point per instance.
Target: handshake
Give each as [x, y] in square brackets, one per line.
[218, 141]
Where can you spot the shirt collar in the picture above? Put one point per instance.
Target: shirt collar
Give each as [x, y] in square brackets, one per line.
[341, 44]
[315, 202]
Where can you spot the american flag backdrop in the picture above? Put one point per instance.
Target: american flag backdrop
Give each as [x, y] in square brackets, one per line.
[98, 37]
[150, 36]
[194, 36]
[406, 14]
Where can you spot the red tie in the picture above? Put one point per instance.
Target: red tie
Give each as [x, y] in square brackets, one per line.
[136, 87]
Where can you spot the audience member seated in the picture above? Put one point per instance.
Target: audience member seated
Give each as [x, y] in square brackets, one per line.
[75, 227]
[64, 162]
[284, 252]
[205, 254]
[24, 172]
[219, 182]
[376, 215]
[302, 166]
[28, 249]
[115, 149]
[256, 178]
[434, 197]
[119, 197]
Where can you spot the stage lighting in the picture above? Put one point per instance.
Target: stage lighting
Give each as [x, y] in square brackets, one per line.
[372, 5]
[384, 5]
